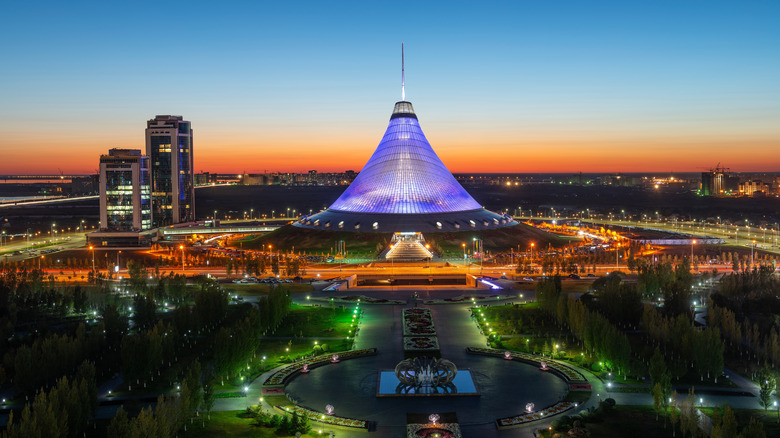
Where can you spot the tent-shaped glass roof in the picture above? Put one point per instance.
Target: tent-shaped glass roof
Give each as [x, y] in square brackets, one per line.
[404, 175]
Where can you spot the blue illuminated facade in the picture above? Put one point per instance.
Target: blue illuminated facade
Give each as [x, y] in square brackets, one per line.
[404, 176]
[405, 187]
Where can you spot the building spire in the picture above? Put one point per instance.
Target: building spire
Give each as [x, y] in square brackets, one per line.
[403, 79]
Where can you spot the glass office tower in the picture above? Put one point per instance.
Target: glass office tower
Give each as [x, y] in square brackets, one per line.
[125, 196]
[169, 147]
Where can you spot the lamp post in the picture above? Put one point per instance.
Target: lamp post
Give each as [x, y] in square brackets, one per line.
[117, 259]
[464, 253]
[752, 249]
[92, 248]
[251, 213]
[693, 242]
[181, 247]
[39, 262]
[617, 257]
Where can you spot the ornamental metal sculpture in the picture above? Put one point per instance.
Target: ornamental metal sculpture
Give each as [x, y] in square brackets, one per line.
[425, 372]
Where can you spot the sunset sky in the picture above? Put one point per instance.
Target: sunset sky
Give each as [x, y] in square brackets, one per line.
[520, 86]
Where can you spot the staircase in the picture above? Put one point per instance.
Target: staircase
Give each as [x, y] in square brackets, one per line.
[408, 251]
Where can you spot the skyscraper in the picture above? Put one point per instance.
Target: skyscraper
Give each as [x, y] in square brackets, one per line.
[169, 147]
[125, 203]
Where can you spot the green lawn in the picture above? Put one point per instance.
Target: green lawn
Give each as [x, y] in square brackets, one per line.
[233, 424]
[305, 321]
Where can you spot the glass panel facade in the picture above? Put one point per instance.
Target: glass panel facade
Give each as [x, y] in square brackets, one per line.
[404, 175]
[119, 199]
[161, 182]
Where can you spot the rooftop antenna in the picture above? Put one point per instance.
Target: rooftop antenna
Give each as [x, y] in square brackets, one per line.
[403, 79]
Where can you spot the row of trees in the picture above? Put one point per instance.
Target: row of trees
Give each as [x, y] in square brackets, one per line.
[756, 282]
[596, 332]
[235, 345]
[686, 346]
[168, 416]
[146, 351]
[64, 411]
[49, 357]
[745, 335]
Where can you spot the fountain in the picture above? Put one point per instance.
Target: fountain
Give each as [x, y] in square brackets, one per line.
[424, 376]
[529, 407]
[507, 355]
[329, 409]
[305, 368]
[544, 366]
[334, 358]
[434, 418]
[425, 372]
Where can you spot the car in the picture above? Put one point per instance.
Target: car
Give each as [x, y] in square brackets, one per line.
[503, 277]
[287, 280]
[591, 275]
[528, 279]
[574, 276]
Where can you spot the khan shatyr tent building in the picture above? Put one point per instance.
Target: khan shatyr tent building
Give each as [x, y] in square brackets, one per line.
[405, 187]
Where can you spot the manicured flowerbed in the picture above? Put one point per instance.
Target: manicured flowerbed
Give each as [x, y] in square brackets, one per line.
[517, 420]
[418, 322]
[420, 343]
[568, 374]
[281, 376]
[445, 430]
[329, 419]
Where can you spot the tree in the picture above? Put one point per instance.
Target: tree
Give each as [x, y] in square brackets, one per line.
[728, 425]
[119, 426]
[755, 429]
[658, 399]
[766, 386]
[208, 397]
[674, 415]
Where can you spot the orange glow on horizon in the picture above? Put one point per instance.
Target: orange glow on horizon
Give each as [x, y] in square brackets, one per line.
[466, 154]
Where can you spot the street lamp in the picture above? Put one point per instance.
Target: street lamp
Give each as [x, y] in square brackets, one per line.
[92, 248]
[693, 242]
[117, 260]
[251, 213]
[752, 249]
[464, 253]
[617, 257]
[181, 247]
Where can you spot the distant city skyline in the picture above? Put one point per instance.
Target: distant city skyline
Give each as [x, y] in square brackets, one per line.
[508, 87]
